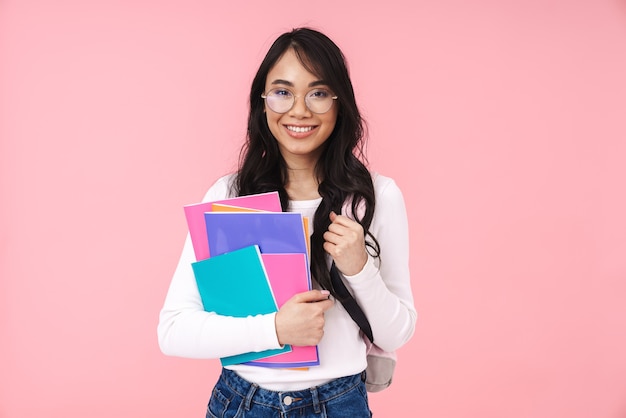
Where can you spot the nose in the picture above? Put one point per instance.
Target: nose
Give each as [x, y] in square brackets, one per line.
[299, 108]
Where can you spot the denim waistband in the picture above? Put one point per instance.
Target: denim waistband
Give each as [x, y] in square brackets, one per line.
[253, 393]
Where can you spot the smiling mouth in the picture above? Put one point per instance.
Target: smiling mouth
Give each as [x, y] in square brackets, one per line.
[299, 129]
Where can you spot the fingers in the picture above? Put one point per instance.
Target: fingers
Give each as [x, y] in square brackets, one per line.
[342, 233]
[311, 296]
[318, 298]
[300, 321]
[344, 221]
[342, 229]
[341, 219]
[345, 242]
[339, 234]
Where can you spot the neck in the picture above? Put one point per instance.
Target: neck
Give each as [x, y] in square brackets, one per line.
[302, 182]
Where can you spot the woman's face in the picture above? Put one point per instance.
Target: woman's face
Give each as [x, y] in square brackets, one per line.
[300, 133]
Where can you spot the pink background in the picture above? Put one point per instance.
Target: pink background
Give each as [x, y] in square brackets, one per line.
[504, 122]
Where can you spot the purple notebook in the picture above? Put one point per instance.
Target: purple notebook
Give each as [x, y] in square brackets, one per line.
[273, 232]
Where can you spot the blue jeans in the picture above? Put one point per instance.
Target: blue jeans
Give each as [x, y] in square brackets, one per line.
[233, 396]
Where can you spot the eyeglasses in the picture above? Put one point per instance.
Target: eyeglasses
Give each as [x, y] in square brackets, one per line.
[281, 100]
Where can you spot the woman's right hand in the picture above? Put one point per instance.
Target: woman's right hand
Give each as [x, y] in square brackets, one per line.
[300, 321]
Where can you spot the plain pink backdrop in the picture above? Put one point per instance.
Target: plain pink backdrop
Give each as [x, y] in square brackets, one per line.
[504, 122]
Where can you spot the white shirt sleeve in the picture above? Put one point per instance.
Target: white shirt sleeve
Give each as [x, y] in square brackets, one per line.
[383, 287]
[185, 329]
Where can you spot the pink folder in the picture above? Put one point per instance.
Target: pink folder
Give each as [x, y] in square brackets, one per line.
[287, 274]
[195, 216]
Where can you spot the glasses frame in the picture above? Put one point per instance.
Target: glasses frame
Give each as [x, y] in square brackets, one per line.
[293, 103]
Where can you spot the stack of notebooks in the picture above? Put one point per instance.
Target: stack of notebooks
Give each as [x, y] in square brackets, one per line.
[251, 258]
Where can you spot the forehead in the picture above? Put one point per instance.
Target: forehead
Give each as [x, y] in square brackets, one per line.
[289, 68]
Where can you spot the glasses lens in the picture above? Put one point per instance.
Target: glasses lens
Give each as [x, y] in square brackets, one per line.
[279, 100]
[319, 100]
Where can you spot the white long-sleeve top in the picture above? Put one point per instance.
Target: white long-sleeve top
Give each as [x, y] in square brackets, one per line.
[382, 289]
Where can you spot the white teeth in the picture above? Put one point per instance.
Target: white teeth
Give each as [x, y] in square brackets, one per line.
[299, 129]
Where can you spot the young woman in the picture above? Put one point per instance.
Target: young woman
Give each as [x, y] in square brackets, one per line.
[305, 140]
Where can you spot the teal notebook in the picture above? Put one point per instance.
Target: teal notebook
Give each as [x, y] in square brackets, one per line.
[236, 284]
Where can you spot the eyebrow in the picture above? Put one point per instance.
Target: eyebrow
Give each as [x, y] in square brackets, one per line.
[290, 84]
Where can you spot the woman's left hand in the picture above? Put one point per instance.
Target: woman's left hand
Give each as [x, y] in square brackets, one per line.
[345, 242]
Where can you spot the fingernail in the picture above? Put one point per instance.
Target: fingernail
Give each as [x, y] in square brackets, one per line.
[325, 292]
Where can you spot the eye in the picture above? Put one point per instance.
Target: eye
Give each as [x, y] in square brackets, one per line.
[280, 93]
[319, 94]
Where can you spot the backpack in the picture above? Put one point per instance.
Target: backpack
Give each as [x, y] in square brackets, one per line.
[380, 367]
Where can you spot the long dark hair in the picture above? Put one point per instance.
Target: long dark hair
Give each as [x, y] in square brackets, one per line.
[341, 167]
